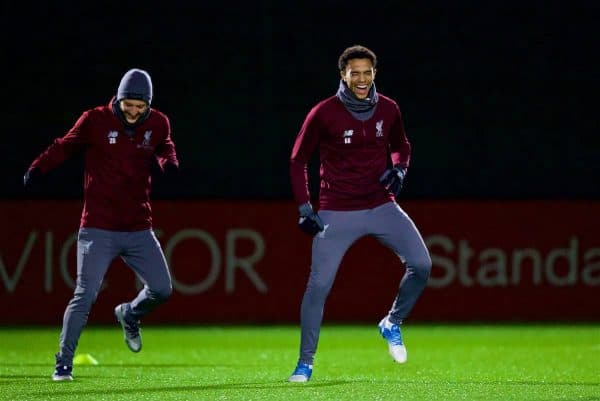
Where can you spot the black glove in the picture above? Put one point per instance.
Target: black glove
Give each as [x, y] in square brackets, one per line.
[32, 178]
[392, 179]
[309, 222]
[170, 169]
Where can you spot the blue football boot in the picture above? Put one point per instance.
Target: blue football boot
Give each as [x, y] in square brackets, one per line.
[302, 373]
[391, 333]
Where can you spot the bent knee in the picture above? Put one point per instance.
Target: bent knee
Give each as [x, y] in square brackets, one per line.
[162, 293]
[421, 267]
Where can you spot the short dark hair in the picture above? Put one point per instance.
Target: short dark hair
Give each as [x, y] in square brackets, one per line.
[356, 51]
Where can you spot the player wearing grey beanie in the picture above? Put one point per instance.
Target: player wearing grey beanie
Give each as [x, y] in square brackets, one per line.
[135, 84]
[121, 141]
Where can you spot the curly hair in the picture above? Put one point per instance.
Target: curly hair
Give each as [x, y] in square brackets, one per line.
[356, 51]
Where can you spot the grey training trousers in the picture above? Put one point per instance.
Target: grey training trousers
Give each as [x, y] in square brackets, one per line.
[393, 228]
[96, 249]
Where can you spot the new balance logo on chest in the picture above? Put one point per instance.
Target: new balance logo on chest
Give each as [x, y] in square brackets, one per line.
[348, 135]
[112, 137]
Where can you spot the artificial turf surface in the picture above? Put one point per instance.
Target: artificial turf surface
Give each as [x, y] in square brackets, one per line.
[445, 362]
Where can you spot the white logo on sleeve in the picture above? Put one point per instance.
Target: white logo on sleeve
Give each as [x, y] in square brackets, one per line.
[112, 137]
[348, 135]
[379, 128]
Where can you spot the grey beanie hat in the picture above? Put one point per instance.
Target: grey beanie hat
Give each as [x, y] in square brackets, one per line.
[135, 84]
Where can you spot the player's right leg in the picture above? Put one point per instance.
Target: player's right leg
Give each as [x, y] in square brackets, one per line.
[342, 229]
[95, 251]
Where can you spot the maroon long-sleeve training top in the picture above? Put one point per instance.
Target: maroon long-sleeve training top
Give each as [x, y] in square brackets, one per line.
[117, 177]
[353, 154]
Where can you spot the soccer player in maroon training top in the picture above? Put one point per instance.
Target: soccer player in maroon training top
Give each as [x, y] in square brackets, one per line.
[357, 132]
[120, 141]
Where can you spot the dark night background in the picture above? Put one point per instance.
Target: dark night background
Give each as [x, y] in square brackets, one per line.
[500, 99]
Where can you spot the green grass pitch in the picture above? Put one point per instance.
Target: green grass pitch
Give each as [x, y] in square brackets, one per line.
[445, 362]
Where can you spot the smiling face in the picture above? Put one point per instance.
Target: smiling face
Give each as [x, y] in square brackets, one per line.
[359, 75]
[133, 109]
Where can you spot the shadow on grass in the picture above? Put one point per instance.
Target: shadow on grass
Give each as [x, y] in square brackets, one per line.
[68, 391]
[79, 368]
[205, 387]
[314, 383]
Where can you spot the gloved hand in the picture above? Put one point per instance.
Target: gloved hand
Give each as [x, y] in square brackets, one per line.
[392, 179]
[309, 222]
[32, 178]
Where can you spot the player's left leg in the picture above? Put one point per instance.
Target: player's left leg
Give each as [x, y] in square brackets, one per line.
[145, 256]
[394, 228]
